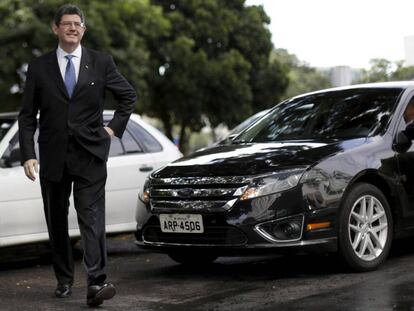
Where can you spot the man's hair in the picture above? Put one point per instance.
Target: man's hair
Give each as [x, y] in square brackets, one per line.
[68, 9]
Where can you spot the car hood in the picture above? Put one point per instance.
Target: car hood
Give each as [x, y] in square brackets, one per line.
[254, 159]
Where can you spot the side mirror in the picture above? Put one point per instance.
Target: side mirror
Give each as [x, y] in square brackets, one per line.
[401, 143]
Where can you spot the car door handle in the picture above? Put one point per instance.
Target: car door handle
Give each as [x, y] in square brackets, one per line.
[146, 168]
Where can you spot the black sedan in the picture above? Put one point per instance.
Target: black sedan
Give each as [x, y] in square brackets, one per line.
[331, 170]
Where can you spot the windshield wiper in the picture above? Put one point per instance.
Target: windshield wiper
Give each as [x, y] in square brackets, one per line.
[238, 141]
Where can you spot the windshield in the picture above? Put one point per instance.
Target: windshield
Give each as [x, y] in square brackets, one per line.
[5, 125]
[249, 121]
[335, 114]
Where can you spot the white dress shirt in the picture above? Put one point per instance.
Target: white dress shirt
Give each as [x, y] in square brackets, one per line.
[62, 61]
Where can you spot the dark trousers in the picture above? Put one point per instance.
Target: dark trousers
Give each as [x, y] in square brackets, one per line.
[87, 174]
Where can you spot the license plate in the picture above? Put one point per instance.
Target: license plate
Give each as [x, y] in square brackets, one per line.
[181, 223]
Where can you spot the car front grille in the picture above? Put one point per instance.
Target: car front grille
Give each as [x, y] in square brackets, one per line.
[228, 236]
[196, 194]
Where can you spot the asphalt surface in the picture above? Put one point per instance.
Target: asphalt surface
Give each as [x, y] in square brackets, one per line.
[150, 281]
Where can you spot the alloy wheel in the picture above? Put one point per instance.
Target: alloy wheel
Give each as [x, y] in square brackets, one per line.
[368, 227]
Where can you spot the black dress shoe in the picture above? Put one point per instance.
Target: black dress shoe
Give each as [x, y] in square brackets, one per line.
[98, 293]
[63, 290]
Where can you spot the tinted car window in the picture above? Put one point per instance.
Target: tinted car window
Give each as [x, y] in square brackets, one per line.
[130, 145]
[336, 114]
[13, 150]
[120, 147]
[249, 121]
[5, 125]
[145, 138]
[116, 147]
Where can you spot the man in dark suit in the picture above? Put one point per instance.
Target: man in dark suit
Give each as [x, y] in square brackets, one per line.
[66, 87]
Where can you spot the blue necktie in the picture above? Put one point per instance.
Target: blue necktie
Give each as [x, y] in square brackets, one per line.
[70, 76]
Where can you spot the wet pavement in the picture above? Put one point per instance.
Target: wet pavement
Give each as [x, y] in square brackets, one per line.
[150, 281]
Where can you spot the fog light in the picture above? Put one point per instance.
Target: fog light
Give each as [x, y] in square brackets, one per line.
[283, 230]
[288, 230]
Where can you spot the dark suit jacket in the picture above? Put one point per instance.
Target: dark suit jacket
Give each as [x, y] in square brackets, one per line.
[81, 115]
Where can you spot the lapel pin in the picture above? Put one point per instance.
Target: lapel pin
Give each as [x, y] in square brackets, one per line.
[92, 83]
[86, 66]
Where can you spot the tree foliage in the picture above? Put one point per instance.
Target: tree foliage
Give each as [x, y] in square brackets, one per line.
[382, 70]
[121, 28]
[191, 61]
[302, 78]
[213, 65]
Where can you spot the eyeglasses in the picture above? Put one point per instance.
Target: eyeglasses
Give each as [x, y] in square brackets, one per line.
[69, 24]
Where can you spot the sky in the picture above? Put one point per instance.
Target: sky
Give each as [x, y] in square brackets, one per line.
[326, 33]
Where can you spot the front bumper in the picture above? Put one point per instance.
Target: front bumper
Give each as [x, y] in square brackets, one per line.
[235, 231]
[313, 246]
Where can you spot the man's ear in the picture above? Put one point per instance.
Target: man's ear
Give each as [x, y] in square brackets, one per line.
[54, 28]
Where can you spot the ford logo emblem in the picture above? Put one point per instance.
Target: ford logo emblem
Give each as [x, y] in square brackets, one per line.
[185, 193]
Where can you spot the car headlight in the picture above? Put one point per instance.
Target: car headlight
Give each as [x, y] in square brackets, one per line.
[277, 182]
[144, 196]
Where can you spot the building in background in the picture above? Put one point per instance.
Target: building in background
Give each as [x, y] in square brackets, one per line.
[409, 50]
[341, 75]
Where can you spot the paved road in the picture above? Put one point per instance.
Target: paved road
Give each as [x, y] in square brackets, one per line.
[148, 281]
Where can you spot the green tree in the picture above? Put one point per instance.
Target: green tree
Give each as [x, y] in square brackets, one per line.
[213, 65]
[380, 70]
[302, 78]
[189, 60]
[121, 28]
[384, 70]
[403, 73]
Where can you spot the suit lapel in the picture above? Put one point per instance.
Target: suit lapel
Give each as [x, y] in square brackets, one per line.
[84, 69]
[53, 68]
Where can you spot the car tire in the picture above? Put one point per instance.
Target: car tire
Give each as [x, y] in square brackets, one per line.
[365, 228]
[193, 258]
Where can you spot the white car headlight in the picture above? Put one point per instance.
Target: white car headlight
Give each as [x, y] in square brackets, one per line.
[277, 182]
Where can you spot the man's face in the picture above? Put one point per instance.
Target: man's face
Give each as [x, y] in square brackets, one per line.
[70, 30]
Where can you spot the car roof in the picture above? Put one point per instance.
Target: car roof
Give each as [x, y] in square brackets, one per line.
[9, 115]
[15, 114]
[379, 85]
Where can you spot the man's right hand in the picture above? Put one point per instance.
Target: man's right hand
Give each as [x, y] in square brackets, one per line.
[31, 169]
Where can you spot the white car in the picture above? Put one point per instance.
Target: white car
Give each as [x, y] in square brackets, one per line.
[141, 150]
